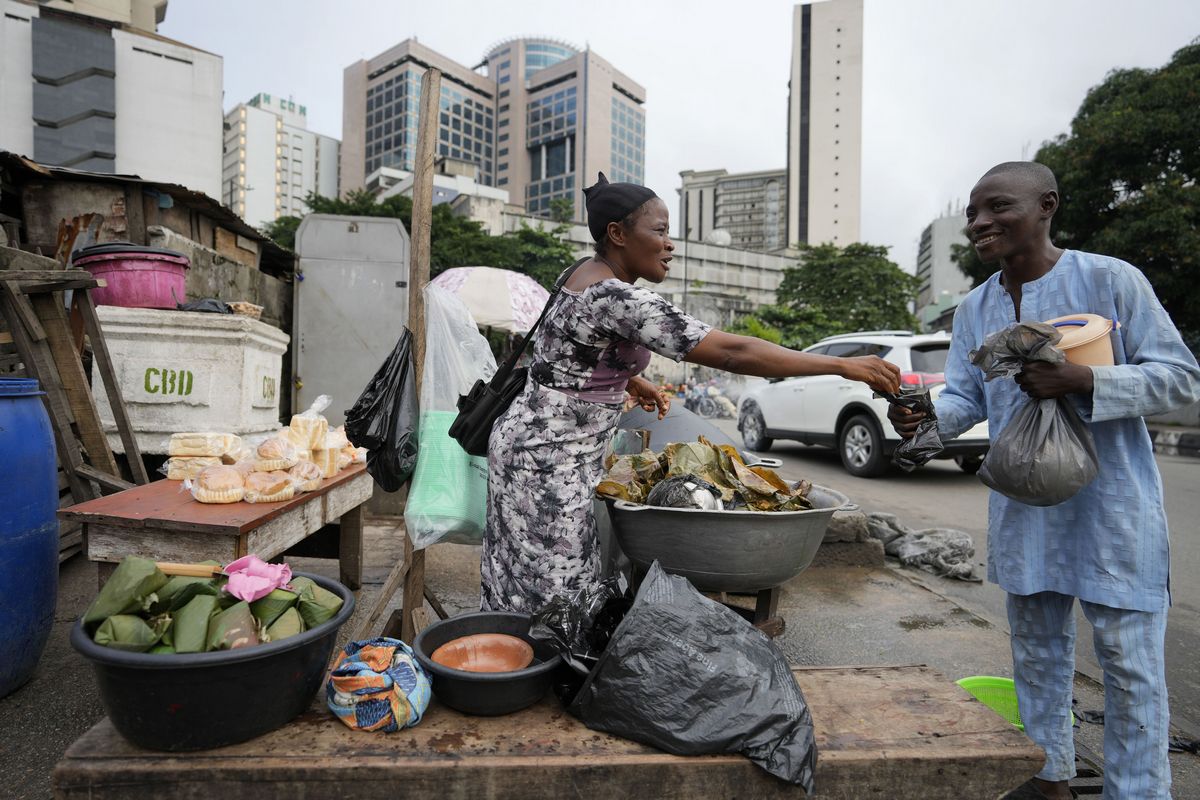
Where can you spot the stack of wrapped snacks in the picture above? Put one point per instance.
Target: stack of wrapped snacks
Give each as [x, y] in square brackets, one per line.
[192, 452]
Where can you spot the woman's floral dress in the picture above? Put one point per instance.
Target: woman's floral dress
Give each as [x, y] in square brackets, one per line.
[546, 452]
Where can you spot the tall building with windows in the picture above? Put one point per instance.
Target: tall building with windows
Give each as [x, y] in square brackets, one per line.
[538, 117]
[750, 207]
[272, 160]
[91, 85]
[939, 274]
[824, 158]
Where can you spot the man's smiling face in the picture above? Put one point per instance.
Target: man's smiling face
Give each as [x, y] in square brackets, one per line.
[1007, 216]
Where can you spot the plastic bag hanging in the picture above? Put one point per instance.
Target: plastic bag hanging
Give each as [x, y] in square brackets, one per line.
[926, 442]
[384, 418]
[448, 501]
[1045, 454]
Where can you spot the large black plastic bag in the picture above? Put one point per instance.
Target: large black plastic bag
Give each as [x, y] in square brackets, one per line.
[1045, 454]
[384, 418]
[691, 677]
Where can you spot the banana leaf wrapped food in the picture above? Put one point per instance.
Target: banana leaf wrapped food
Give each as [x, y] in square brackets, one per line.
[233, 628]
[268, 609]
[130, 633]
[130, 589]
[288, 624]
[316, 605]
[189, 634]
[740, 487]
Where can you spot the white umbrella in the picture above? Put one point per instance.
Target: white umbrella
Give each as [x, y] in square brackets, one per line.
[497, 298]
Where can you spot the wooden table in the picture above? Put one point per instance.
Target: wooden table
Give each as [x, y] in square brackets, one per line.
[161, 522]
[882, 732]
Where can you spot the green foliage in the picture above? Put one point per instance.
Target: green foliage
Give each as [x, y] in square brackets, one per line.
[562, 209]
[1128, 179]
[835, 290]
[454, 241]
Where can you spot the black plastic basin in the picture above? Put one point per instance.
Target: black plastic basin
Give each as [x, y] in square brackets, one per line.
[195, 701]
[487, 694]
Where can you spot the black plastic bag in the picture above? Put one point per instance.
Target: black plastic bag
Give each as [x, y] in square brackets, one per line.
[685, 491]
[689, 676]
[926, 442]
[210, 305]
[384, 418]
[580, 625]
[1045, 454]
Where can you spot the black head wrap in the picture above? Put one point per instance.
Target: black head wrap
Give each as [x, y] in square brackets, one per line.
[612, 202]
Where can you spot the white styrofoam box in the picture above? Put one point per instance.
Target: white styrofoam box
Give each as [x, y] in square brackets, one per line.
[188, 371]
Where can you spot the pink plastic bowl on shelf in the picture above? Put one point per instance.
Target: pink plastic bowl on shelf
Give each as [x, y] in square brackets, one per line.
[137, 277]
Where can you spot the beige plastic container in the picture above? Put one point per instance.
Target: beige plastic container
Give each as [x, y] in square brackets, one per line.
[1085, 339]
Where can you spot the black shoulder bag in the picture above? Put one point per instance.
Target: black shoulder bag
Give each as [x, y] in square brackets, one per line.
[479, 409]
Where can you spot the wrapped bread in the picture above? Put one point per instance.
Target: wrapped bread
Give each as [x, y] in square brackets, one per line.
[243, 452]
[268, 487]
[275, 454]
[182, 468]
[299, 440]
[344, 460]
[327, 461]
[306, 476]
[202, 444]
[218, 484]
[334, 440]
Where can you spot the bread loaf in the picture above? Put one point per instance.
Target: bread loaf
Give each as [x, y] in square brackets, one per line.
[327, 460]
[181, 468]
[311, 429]
[268, 487]
[275, 454]
[202, 444]
[306, 476]
[218, 484]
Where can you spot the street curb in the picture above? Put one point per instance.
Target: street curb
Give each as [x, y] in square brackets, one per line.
[1175, 443]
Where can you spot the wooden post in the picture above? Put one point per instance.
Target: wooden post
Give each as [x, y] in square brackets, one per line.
[418, 276]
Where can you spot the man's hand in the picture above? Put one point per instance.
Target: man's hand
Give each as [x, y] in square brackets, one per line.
[1042, 380]
[904, 420]
[645, 394]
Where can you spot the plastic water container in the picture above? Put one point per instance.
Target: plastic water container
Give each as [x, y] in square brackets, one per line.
[28, 531]
[1085, 339]
[137, 277]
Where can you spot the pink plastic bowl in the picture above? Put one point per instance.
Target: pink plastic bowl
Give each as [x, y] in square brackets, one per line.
[137, 277]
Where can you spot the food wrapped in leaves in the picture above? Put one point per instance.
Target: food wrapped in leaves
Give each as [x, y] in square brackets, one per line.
[268, 609]
[318, 608]
[630, 477]
[130, 589]
[162, 650]
[189, 634]
[232, 628]
[685, 491]
[130, 633]
[288, 624]
[179, 589]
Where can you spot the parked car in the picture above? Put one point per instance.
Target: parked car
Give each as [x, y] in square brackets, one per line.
[834, 412]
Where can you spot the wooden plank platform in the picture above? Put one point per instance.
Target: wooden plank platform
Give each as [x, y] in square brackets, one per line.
[161, 504]
[882, 732]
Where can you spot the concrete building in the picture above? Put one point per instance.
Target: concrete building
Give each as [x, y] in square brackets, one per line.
[452, 179]
[824, 159]
[750, 208]
[106, 93]
[272, 160]
[538, 117]
[940, 276]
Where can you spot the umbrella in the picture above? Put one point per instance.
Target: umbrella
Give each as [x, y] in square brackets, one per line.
[497, 298]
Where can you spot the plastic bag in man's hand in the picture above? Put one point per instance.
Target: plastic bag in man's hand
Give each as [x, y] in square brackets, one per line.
[925, 442]
[691, 677]
[384, 419]
[1045, 454]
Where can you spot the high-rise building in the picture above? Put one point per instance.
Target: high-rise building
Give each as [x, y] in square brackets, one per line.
[538, 117]
[272, 160]
[939, 275]
[750, 207]
[91, 85]
[824, 161]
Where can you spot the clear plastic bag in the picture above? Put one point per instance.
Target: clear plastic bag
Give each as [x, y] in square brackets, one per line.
[1045, 454]
[310, 427]
[448, 500]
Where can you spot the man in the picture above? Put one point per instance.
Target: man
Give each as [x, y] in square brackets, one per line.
[1107, 545]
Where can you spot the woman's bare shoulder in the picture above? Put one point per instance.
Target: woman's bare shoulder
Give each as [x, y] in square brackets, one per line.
[589, 273]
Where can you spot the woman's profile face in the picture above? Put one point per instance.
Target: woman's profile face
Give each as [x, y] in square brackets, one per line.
[648, 244]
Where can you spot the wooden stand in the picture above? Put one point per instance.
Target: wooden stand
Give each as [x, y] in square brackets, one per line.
[48, 346]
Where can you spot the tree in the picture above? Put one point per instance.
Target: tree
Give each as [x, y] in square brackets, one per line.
[836, 290]
[454, 241]
[1128, 180]
[562, 209]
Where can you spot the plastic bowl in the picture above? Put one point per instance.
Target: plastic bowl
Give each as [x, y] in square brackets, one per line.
[487, 693]
[485, 652]
[998, 694]
[195, 701]
[726, 551]
[1086, 339]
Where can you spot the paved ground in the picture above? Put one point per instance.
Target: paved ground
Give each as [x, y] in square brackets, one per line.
[835, 615]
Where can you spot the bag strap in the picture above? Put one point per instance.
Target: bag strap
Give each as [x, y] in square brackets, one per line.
[506, 370]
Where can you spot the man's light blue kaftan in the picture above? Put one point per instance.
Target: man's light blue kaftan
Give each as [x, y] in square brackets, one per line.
[1107, 545]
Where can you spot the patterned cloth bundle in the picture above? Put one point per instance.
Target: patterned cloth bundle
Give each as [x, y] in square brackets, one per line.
[377, 685]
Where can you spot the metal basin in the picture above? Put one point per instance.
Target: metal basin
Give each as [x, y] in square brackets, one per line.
[726, 551]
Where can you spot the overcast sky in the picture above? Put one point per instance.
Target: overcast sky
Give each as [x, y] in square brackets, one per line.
[950, 87]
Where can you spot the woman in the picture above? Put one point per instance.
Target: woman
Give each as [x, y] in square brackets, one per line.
[546, 452]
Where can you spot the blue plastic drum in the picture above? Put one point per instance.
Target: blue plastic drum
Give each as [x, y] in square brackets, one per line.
[28, 530]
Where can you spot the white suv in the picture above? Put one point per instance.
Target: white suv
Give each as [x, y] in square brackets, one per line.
[834, 412]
